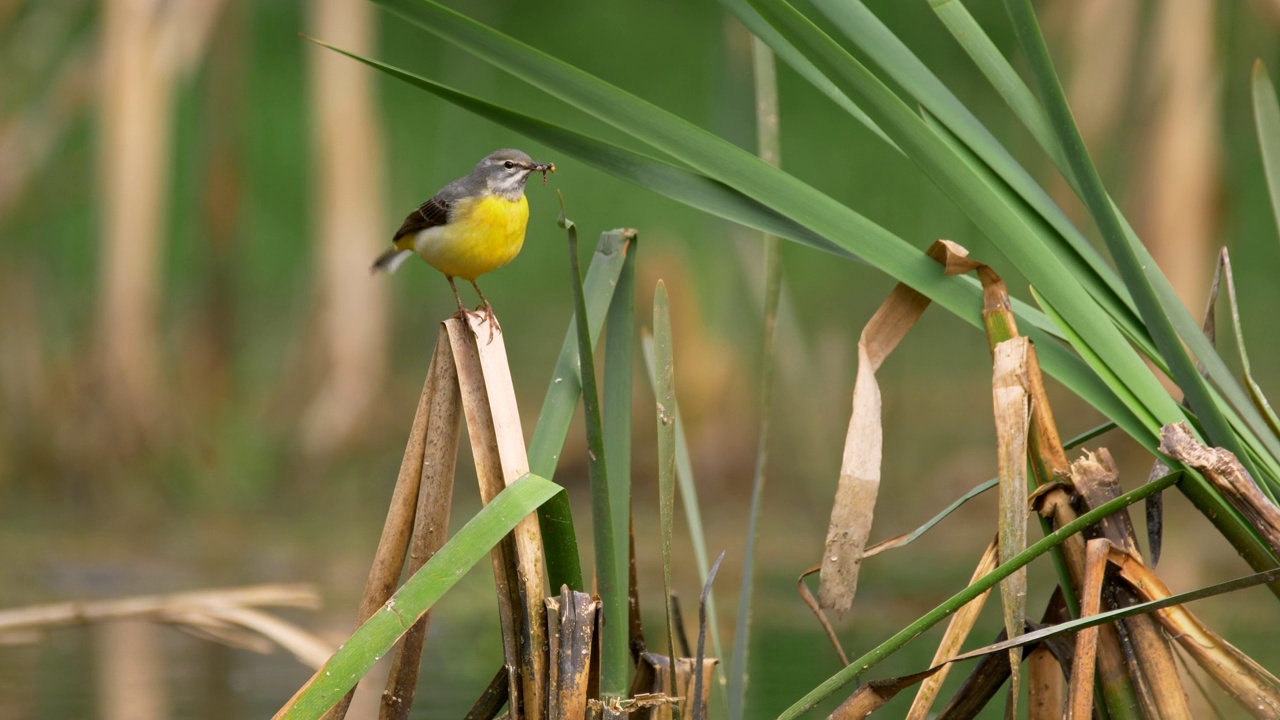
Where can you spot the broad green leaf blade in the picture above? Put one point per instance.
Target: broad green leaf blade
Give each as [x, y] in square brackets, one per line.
[793, 58]
[1122, 248]
[1250, 422]
[379, 633]
[563, 564]
[665, 404]
[955, 602]
[978, 198]
[611, 569]
[693, 189]
[1266, 115]
[725, 163]
[619, 355]
[895, 59]
[1006, 81]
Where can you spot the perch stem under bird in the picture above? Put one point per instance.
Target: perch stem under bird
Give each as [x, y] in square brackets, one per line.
[472, 226]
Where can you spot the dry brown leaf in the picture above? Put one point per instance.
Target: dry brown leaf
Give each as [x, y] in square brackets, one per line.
[854, 506]
[1013, 417]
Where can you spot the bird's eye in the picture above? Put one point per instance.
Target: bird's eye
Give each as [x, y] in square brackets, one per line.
[508, 164]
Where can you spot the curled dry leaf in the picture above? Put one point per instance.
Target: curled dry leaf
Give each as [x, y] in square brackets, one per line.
[859, 484]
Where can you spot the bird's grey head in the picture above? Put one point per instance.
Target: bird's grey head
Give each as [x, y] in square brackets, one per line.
[505, 172]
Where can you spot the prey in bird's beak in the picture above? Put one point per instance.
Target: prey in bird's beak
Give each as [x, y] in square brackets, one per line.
[544, 168]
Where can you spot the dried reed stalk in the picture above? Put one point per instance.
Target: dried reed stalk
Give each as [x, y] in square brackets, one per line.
[1155, 674]
[1086, 654]
[431, 525]
[397, 529]
[1221, 468]
[1256, 689]
[957, 632]
[224, 616]
[571, 633]
[497, 443]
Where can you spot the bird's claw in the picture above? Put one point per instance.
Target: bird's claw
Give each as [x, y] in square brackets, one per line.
[485, 315]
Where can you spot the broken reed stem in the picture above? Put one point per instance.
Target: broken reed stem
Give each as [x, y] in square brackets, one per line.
[497, 444]
[388, 559]
[431, 526]
[45, 617]
[1154, 674]
[1086, 653]
[1223, 470]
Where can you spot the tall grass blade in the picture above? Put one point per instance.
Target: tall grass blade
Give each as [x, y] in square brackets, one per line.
[1006, 81]
[769, 148]
[1259, 399]
[699, 711]
[665, 396]
[619, 356]
[1266, 115]
[688, 487]
[611, 568]
[563, 391]
[379, 633]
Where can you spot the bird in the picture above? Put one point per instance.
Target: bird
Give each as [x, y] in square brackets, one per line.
[473, 225]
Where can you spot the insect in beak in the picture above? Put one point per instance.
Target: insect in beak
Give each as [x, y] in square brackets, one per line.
[544, 168]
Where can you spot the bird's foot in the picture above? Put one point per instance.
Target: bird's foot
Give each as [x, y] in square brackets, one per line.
[487, 317]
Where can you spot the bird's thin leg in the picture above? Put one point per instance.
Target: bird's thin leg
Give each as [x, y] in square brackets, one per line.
[483, 299]
[488, 311]
[462, 309]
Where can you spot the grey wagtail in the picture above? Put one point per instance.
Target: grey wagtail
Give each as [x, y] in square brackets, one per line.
[472, 225]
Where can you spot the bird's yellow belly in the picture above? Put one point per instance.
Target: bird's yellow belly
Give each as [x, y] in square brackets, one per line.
[482, 234]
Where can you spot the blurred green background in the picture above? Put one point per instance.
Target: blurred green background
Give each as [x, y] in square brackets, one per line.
[202, 385]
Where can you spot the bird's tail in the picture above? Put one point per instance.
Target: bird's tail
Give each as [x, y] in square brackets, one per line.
[390, 260]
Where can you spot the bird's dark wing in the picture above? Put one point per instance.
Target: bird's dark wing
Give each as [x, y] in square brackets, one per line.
[430, 214]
